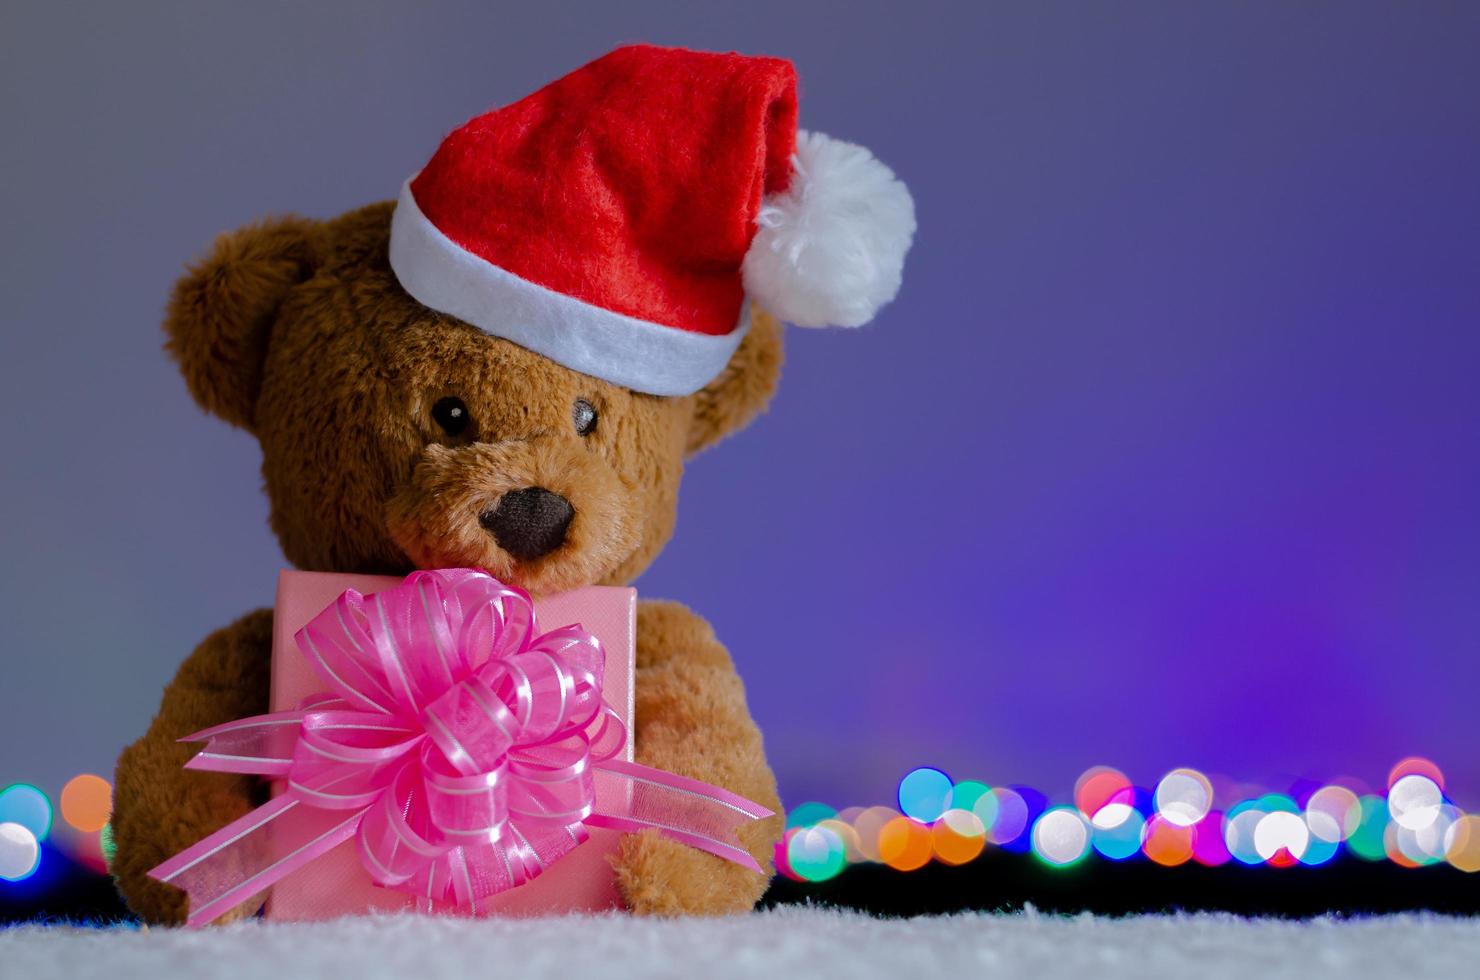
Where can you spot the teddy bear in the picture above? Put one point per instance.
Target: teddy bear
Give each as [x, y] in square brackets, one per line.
[507, 368]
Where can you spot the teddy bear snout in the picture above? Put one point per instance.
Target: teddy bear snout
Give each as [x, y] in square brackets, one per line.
[529, 523]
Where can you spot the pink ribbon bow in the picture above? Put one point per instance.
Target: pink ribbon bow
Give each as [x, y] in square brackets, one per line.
[463, 749]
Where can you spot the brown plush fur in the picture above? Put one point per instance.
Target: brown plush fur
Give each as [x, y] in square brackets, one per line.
[298, 331]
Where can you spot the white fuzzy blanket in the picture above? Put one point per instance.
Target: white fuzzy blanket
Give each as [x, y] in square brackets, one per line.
[769, 945]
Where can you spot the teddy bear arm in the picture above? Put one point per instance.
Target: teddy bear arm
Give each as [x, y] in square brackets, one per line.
[692, 719]
[160, 808]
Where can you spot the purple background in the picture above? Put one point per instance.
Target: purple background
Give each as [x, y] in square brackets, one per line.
[1165, 455]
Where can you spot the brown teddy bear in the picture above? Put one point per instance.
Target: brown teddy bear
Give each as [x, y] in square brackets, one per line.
[507, 369]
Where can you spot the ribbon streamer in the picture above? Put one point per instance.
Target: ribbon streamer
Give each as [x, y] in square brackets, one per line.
[464, 750]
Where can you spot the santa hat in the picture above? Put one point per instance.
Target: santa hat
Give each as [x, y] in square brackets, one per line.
[619, 220]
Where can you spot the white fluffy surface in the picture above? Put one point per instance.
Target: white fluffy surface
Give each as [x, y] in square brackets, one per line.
[829, 250]
[771, 945]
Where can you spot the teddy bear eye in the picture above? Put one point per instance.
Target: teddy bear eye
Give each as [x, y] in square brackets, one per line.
[583, 413]
[452, 415]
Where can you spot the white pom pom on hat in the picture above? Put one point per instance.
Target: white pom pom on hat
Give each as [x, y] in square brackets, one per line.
[829, 250]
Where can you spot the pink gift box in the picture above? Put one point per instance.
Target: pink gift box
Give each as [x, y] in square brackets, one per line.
[336, 884]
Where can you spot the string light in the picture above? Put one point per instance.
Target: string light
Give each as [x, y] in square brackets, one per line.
[1168, 843]
[1061, 836]
[905, 844]
[953, 823]
[1183, 797]
[20, 852]
[28, 819]
[1414, 801]
[1462, 844]
[24, 804]
[925, 794]
[87, 802]
[1118, 831]
[958, 837]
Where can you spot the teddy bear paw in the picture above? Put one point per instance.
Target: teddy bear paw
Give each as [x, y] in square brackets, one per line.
[660, 876]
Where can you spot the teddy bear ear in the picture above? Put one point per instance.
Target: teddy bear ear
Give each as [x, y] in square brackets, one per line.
[221, 312]
[743, 388]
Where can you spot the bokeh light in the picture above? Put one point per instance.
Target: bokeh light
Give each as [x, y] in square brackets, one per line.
[815, 853]
[924, 794]
[1167, 843]
[87, 802]
[1238, 831]
[1462, 844]
[958, 837]
[1061, 836]
[20, 852]
[1414, 801]
[1430, 839]
[1333, 813]
[1366, 842]
[1184, 796]
[905, 844]
[1117, 831]
[868, 825]
[1008, 813]
[1402, 849]
[845, 833]
[1099, 787]
[1034, 803]
[1278, 831]
[24, 804]
[1208, 845]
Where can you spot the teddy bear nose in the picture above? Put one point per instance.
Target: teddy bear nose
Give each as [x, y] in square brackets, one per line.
[529, 523]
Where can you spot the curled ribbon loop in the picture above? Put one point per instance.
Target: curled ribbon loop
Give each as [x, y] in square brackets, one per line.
[464, 751]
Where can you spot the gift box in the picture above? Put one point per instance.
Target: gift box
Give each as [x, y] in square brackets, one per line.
[443, 743]
[336, 883]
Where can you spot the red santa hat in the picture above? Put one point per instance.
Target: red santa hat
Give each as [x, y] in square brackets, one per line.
[620, 219]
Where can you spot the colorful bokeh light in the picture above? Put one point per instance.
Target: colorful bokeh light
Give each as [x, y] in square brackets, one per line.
[1414, 801]
[958, 837]
[1117, 831]
[1366, 842]
[815, 853]
[24, 804]
[1183, 797]
[1208, 845]
[1278, 831]
[20, 852]
[924, 794]
[906, 844]
[1061, 836]
[1333, 813]
[87, 802]
[869, 825]
[1100, 787]
[1462, 844]
[954, 824]
[1009, 815]
[1167, 843]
